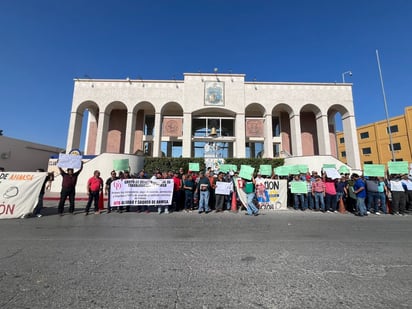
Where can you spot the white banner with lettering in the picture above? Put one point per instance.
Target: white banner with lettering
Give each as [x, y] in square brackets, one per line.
[19, 193]
[270, 193]
[141, 192]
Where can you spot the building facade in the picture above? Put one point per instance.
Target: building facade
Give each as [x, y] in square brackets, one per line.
[375, 144]
[212, 115]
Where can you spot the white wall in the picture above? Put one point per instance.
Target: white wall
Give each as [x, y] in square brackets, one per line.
[18, 155]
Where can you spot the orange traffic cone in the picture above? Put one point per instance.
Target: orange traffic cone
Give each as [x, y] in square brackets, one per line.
[342, 209]
[234, 202]
[101, 201]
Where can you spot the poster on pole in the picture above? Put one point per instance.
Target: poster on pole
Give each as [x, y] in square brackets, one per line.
[121, 165]
[19, 193]
[246, 172]
[194, 167]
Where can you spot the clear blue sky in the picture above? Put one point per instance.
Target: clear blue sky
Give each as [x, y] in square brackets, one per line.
[46, 44]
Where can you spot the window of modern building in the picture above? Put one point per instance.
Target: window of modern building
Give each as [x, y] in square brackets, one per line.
[396, 146]
[254, 150]
[364, 135]
[368, 162]
[343, 154]
[366, 150]
[393, 128]
[342, 140]
[171, 149]
[275, 126]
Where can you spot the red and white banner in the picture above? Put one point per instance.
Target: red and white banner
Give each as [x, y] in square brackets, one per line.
[141, 192]
[19, 193]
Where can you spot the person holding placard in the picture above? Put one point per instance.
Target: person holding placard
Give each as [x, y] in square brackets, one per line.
[68, 188]
[249, 189]
[219, 196]
[398, 195]
[298, 189]
[382, 192]
[408, 192]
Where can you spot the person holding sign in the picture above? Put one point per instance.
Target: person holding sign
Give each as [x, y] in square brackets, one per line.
[68, 188]
[318, 191]
[249, 188]
[109, 181]
[398, 195]
[298, 189]
[222, 191]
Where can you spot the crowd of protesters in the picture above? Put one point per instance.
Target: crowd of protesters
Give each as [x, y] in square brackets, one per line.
[195, 191]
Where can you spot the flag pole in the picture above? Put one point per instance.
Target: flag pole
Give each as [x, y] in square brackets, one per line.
[386, 107]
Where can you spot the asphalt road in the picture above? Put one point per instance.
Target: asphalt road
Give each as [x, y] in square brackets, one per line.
[287, 259]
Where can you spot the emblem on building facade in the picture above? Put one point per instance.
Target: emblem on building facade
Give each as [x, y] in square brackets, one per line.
[214, 93]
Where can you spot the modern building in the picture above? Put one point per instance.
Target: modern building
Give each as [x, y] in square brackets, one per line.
[375, 144]
[212, 115]
[21, 156]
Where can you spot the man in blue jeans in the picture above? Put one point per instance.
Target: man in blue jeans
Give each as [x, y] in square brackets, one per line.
[249, 188]
[360, 191]
[202, 189]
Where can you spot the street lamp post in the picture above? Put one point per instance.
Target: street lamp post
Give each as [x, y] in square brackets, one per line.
[343, 75]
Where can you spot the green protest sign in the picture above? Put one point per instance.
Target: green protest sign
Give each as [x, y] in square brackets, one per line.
[343, 170]
[266, 169]
[377, 170]
[329, 165]
[282, 171]
[121, 165]
[224, 168]
[398, 167]
[294, 169]
[298, 187]
[246, 172]
[303, 168]
[195, 167]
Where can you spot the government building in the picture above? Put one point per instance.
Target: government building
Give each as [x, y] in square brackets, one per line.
[212, 115]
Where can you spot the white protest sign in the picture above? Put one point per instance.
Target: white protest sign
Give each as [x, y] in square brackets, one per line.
[223, 188]
[332, 173]
[69, 161]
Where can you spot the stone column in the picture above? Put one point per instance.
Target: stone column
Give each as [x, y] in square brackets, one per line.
[296, 135]
[157, 135]
[240, 136]
[75, 130]
[268, 144]
[130, 128]
[351, 142]
[187, 135]
[102, 128]
[322, 127]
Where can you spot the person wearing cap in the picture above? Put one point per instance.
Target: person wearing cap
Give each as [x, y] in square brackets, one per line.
[359, 189]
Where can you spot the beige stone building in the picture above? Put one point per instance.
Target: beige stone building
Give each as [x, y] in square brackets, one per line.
[212, 115]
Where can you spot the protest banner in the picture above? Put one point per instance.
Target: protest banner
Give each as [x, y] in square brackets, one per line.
[272, 194]
[121, 165]
[69, 161]
[141, 192]
[377, 170]
[19, 193]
